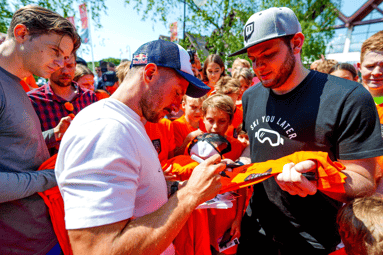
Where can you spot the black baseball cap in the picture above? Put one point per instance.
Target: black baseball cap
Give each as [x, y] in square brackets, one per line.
[169, 54]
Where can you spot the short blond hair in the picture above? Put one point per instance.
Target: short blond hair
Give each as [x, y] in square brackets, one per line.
[81, 70]
[222, 102]
[326, 65]
[245, 74]
[361, 225]
[227, 85]
[122, 69]
[241, 62]
[373, 43]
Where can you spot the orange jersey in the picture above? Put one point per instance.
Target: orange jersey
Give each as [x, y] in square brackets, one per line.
[193, 238]
[161, 135]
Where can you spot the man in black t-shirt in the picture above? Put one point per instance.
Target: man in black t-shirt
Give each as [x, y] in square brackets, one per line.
[294, 109]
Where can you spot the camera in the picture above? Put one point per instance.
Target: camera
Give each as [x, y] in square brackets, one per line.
[191, 54]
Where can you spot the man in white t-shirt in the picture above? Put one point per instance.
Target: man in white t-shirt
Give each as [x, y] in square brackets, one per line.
[108, 172]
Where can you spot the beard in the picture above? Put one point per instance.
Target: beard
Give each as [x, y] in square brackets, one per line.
[283, 73]
[60, 83]
[148, 113]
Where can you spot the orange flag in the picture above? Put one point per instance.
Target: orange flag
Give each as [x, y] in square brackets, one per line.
[329, 175]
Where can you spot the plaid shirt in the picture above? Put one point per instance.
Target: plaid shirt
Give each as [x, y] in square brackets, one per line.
[50, 107]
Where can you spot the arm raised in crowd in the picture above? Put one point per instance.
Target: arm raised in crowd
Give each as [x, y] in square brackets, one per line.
[152, 233]
[54, 135]
[15, 185]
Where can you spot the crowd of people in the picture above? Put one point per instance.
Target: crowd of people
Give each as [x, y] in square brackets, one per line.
[99, 163]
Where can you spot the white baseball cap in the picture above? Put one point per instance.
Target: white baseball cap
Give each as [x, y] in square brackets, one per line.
[269, 24]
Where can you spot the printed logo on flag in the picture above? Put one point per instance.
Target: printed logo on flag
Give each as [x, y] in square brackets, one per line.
[249, 29]
[141, 58]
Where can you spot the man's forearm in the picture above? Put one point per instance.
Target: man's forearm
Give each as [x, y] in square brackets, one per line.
[15, 186]
[150, 234]
[50, 138]
[360, 179]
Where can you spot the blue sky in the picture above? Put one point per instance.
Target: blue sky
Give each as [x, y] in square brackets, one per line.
[122, 28]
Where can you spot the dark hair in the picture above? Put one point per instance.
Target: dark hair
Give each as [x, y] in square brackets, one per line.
[39, 21]
[287, 39]
[344, 66]
[213, 58]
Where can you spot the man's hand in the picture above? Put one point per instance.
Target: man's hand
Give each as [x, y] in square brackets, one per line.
[61, 128]
[292, 180]
[205, 181]
[169, 176]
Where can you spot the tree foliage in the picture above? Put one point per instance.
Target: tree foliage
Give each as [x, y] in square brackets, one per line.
[64, 7]
[5, 16]
[316, 18]
[222, 21]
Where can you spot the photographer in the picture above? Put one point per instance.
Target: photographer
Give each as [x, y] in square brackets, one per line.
[196, 64]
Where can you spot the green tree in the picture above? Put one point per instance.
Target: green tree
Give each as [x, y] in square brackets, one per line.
[5, 16]
[222, 21]
[316, 18]
[64, 7]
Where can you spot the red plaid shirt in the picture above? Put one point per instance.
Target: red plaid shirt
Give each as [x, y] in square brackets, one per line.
[50, 107]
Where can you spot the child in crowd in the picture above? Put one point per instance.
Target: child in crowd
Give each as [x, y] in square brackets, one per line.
[239, 63]
[345, 71]
[213, 70]
[218, 113]
[245, 78]
[231, 87]
[162, 136]
[361, 226]
[325, 65]
[371, 70]
[84, 77]
[187, 126]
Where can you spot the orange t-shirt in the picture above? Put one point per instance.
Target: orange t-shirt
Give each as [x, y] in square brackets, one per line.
[30, 83]
[379, 107]
[236, 148]
[237, 120]
[339, 252]
[161, 135]
[101, 94]
[181, 129]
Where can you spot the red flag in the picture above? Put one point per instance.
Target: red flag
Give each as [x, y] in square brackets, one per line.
[83, 16]
[173, 32]
[71, 20]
